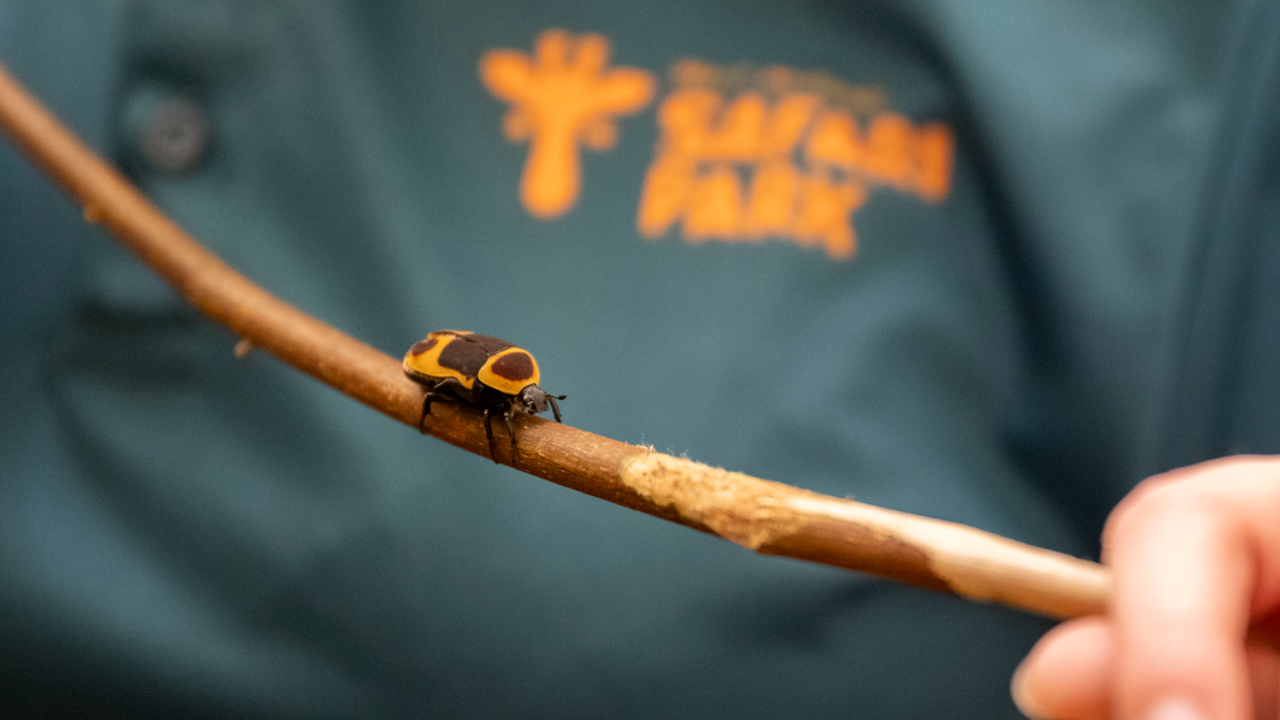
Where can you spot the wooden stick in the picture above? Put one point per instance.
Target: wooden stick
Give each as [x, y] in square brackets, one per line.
[767, 517]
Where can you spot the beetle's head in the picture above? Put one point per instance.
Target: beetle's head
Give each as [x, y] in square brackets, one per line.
[533, 400]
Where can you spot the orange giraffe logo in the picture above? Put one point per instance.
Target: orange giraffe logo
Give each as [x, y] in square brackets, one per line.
[563, 95]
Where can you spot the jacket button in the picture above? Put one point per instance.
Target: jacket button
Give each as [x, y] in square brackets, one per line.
[171, 132]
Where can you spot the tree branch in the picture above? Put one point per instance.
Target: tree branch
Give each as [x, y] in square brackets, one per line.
[768, 517]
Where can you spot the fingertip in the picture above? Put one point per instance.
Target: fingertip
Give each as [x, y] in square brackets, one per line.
[1066, 675]
[1023, 696]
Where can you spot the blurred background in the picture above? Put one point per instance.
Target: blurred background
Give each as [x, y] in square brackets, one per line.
[931, 254]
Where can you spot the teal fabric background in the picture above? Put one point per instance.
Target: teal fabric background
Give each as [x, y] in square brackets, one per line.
[182, 533]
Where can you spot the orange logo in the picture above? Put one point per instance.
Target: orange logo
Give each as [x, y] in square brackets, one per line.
[563, 95]
[730, 171]
[744, 155]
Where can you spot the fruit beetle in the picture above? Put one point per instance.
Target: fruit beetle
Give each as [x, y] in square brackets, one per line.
[481, 370]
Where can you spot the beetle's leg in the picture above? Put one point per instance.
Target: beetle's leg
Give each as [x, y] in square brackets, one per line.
[427, 397]
[449, 389]
[511, 430]
[433, 393]
[426, 410]
[488, 431]
[426, 406]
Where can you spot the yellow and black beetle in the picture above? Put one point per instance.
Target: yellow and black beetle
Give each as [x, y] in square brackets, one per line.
[481, 370]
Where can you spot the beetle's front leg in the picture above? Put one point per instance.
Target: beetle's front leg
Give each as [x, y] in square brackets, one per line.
[511, 429]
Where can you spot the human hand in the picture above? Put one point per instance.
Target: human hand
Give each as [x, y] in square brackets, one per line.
[1193, 627]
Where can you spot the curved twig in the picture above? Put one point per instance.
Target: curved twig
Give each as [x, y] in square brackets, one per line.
[767, 517]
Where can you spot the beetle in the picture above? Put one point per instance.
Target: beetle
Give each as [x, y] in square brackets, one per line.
[481, 370]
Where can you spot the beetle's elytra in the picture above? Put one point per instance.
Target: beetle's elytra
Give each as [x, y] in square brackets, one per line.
[481, 370]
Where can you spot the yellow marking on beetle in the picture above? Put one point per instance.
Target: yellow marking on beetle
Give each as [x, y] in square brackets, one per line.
[427, 364]
[510, 371]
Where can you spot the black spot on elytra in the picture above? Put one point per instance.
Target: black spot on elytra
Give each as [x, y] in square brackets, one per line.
[514, 366]
[465, 357]
[423, 345]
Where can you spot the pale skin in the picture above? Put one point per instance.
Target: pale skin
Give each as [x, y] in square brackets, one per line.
[1193, 631]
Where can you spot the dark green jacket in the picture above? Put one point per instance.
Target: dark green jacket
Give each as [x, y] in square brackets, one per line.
[990, 262]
